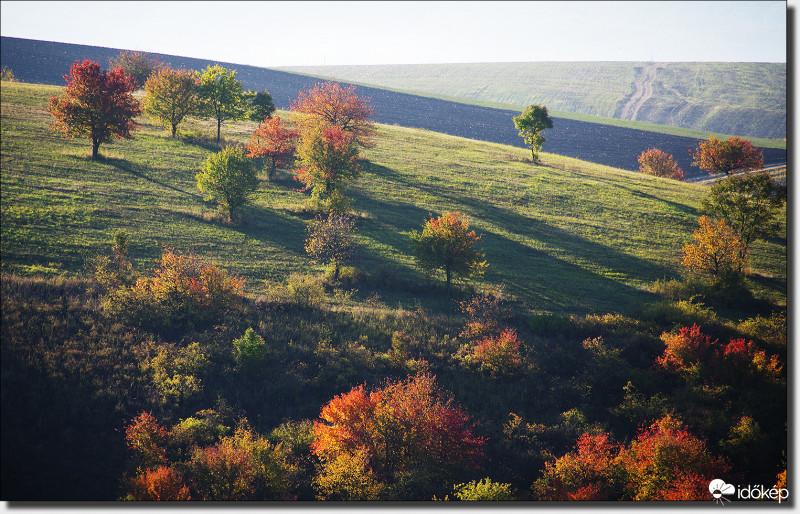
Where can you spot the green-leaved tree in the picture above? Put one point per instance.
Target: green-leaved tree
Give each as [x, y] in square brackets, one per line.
[221, 96]
[531, 123]
[227, 177]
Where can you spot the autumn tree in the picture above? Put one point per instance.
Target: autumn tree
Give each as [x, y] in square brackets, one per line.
[159, 484]
[170, 96]
[327, 161]
[716, 156]
[221, 96]
[96, 104]
[330, 239]
[328, 104]
[138, 65]
[406, 432]
[749, 203]
[498, 354]
[661, 164]
[664, 462]
[717, 254]
[446, 243]
[273, 140]
[531, 123]
[228, 178]
[261, 106]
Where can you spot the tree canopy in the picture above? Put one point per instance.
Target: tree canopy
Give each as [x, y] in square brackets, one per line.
[446, 243]
[96, 104]
[221, 96]
[328, 104]
[716, 156]
[170, 96]
[227, 177]
[531, 123]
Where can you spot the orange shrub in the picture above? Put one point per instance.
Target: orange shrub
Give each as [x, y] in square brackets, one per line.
[658, 163]
[498, 354]
[160, 484]
[183, 291]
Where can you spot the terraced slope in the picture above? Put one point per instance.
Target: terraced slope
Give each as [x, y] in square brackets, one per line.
[745, 99]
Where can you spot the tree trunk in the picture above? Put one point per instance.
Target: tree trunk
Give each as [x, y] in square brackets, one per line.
[174, 129]
[447, 275]
[219, 124]
[95, 147]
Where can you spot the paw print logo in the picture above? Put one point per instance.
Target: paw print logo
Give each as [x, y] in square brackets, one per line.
[718, 489]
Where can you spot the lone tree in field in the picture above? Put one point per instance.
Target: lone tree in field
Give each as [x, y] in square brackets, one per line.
[328, 104]
[221, 96]
[170, 96]
[275, 141]
[749, 203]
[138, 65]
[330, 240]
[96, 104]
[715, 156]
[531, 123]
[328, 160]
[446, 243]
[228, 178]
[658, 163]
[261, 106]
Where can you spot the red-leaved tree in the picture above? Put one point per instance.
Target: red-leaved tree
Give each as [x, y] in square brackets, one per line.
[96, 104]
[273, 140]
[328, 104]
[715, 156]
[406, 428]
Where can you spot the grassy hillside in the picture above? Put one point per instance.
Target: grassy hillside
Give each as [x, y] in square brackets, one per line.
[745, 99]
[564, 236]
[578, 247]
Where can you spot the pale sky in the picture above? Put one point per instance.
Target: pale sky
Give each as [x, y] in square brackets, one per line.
[272, 34]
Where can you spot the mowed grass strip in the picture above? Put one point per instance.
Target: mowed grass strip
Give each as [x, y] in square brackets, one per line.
[562, 235]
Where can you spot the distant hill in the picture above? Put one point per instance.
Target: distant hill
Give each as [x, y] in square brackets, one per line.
[745, 99]
[46, 62]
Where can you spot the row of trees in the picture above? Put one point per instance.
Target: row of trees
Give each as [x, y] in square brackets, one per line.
[99, 105]
[713, 156]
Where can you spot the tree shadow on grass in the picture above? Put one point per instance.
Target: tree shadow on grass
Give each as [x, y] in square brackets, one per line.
[541, 280]
[138, 171]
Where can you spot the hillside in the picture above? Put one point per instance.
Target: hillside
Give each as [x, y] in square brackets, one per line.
[565, 236]
[745, 99]
[96, 404]
[589, 140]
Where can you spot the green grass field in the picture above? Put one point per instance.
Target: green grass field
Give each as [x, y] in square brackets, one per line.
[564, 236]
[744, 99]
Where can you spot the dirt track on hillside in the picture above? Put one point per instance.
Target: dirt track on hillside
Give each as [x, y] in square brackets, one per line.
[643, 92]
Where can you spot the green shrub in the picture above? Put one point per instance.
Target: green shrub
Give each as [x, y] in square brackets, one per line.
[483, 490]
[250, 351]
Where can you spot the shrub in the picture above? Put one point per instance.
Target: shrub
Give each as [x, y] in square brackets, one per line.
[483, 490]
[484, 312]
[175, 371]
[661, 164]
[249, 351]
[183, 291]
[498, 355]
[686, 348]
[160, 484]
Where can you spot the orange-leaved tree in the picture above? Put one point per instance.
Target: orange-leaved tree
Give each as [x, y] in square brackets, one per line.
[448, 244]
[274, 140]
[659, 163]
[406, 432]
[97, 105]
[160, 484]
[716, 156]
[664, 462]
[718, 253]
[328, 104]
